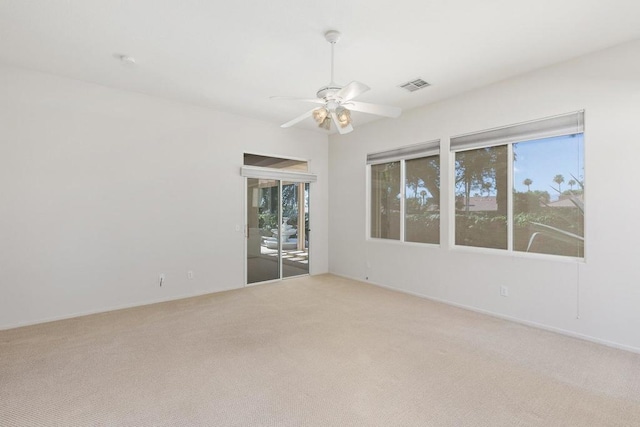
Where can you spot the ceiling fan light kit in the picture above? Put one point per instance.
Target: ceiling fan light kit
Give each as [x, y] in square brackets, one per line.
[344, 116]
[320, 114]
[335, 99]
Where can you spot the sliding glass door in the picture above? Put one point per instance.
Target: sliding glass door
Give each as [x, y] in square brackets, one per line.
[295, 229]
[277, 229]
[263, 203]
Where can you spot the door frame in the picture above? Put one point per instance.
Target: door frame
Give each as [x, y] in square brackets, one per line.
[300, 178]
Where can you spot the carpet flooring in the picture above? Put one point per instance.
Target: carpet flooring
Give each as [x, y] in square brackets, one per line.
[310, 351]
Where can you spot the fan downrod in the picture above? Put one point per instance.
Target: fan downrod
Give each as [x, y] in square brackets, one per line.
[327, 92]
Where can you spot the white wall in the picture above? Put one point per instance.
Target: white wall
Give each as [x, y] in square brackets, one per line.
[604, 291]
[101, 190]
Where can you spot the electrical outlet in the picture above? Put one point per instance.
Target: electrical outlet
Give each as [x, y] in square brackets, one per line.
[190, 274]
[504, 291]
[162, 278]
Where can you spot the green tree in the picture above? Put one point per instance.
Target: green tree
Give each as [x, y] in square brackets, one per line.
[476, 168]
[571, 183]
[559, 179]
[427, 175]
[528, 183]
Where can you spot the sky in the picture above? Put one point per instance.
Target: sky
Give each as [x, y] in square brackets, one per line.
[543, 159]
[540, 161]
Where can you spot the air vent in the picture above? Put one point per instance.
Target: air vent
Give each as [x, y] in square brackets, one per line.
[414, 85]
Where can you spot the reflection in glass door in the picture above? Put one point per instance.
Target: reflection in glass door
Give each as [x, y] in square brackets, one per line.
[277, 229]
[263, 202]
[295, 229]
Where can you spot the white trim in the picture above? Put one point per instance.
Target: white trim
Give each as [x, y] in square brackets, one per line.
[377, 240]
[245, 231]
[536, 325]
[367, 201]
[403, 198]
[510, 187]
[114, 308]
[279, 227]
[385, 240]
[542, 326]
[585, 216]
[277, 174]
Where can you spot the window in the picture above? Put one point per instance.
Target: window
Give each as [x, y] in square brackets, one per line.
[543, 163]
[407, 212]
[385, 201]
[275, 162]
[548, 196]
[481, 197]
[422, 200]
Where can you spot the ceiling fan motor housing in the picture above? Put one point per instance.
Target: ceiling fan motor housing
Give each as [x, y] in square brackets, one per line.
[328, 92]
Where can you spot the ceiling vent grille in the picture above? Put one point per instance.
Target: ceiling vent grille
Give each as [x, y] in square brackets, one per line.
[414, 85]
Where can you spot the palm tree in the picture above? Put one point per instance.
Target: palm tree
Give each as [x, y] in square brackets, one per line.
[559, 179]
[571, 183]
[528, 183]
[423, 193]
[475, 167]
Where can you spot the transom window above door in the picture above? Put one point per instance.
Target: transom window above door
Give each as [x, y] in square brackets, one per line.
[275, 162]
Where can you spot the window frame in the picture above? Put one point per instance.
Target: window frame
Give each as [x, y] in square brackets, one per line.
[509, 251]
[418, 151]
[370, 201]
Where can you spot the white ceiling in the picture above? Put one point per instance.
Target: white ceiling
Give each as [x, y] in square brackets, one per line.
[233, 55]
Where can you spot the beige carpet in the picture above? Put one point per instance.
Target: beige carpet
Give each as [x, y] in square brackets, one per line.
[314, 351]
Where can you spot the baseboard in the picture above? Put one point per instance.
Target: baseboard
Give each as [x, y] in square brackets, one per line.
[113, 308]
[125, 306]
[542, 326]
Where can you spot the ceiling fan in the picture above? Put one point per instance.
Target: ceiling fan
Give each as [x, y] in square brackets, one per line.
[337, 101]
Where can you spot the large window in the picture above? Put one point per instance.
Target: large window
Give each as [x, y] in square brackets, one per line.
[411, 211]
[542, 162]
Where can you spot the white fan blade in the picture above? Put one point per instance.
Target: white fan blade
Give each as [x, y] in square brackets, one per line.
[298, 119]
[342, 130]
[352, 90]
[378, 110]
[290, 98]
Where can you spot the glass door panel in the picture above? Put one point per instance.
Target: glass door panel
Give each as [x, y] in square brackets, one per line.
[263, 219]
[295, 229]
